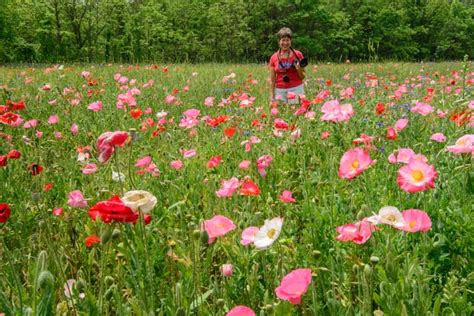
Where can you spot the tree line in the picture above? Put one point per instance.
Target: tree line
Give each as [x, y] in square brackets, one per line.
[134, 31]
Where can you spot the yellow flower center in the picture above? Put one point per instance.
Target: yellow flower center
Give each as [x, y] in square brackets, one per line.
[271, 233]
[390, 218]
[136, 197]
[412, 224]
[355, 164]
[417, 175]
[461, 142]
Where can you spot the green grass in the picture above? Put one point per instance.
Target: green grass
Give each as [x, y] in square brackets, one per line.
[167, 267]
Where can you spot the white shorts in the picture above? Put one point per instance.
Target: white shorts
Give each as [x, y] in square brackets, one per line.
[293, 98]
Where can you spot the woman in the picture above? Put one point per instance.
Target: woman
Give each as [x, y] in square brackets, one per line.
[286, 73]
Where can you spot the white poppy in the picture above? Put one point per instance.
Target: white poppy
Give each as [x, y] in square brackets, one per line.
[118, 176]
[389, 215]
[138, 199]
[268, 233]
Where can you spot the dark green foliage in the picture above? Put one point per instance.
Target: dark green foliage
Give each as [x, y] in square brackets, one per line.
[232, 30]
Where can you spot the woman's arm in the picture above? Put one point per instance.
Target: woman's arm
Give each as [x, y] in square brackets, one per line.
[301, 71]
[272, 83]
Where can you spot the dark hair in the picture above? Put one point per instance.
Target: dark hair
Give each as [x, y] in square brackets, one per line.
[284, 32]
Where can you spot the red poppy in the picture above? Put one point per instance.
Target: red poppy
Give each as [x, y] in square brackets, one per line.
[9, 118]
[215, 121]
[112, 210]
[380, 108]
[175, 91]
[35, 169]
[328, 82]
[391, 133]
[15, 106]
[4, 212]
[3, 160]
[48, 186]
[229, 132]
[147, 218]
[13, 154]
[91, 240]
[136, 113]
[460, 118]
[249, 188]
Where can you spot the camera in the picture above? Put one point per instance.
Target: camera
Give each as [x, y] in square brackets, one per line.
[286, 78]
[303, 62]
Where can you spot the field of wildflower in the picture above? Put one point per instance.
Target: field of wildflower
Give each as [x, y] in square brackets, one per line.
[182, 190]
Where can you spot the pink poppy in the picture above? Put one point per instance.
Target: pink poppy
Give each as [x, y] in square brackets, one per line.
[401, 124]
[143, 162]
[107, 141]
[294, 285]
[248, 235]
[358, 233]
[415, 221]
[228, 187]
[76, 199]
[176, 164]
[90, 168]
[170, 99]
[191, 113]
[263, 163]
[209, 101]
[280, 124]
[96, 106]
[287, 197]
[218, 226]
[53, 119]
[416, 176]
[438, 137]
[227, 269]
[241, 311]
[353, 162]
[57, 211]
[188, 153]
[85, 74]
[403, 155]
[188, 122]
[463, 145]
[422, 108]
[58, 135]
[244, 164]
[325, 134]
[30, 124]
[214, 162]
[74, 129]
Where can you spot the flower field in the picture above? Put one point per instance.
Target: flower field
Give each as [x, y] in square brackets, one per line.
[181, 190]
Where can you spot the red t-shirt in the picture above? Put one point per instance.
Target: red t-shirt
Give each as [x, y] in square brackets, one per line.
[284, 65]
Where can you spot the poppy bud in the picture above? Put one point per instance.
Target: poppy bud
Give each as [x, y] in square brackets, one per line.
[109, 281]
[105, 237]
[204, 237]
[374, 259]
[367, 270]
[180, 312]
[45, 279]
[196, 234]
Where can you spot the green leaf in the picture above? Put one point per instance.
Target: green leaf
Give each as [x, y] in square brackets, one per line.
[197, 302]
